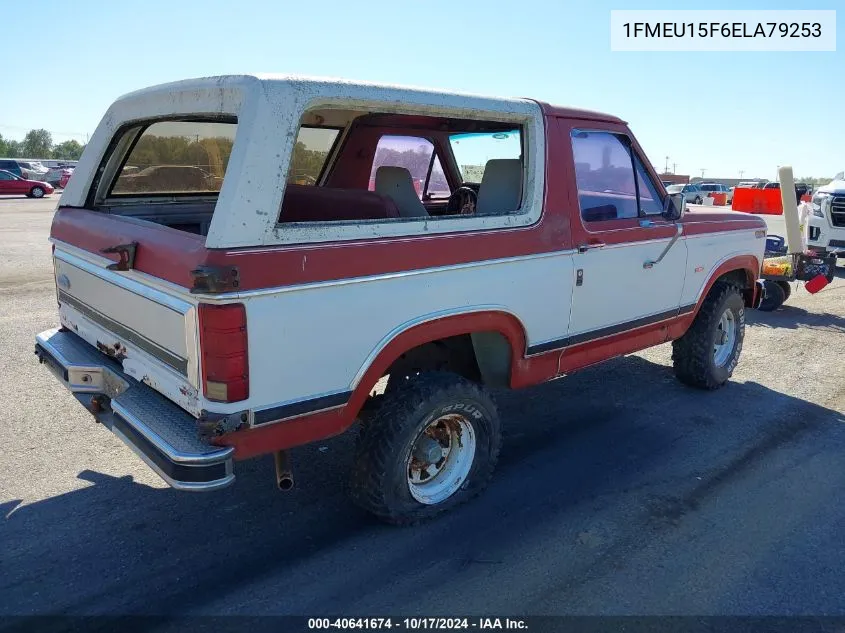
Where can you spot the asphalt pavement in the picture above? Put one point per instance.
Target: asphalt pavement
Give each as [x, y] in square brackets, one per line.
[619, 491]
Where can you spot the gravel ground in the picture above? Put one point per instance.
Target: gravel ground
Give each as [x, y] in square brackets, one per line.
[619, 492]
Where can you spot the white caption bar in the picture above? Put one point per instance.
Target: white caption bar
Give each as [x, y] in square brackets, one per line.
[723, 30]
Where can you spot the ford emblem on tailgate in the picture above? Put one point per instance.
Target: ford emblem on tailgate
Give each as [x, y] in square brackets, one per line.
[63, 281]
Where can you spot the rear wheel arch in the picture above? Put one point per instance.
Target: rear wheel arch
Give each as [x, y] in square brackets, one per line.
[493, 338]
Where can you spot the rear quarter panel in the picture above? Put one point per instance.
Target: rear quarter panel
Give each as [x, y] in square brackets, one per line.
[315, 340]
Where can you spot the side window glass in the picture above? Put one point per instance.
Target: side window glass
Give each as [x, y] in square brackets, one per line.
[409, 152]
[604, 176]
[438, 186]
[650, 201]
[310, 153]
[5, 177]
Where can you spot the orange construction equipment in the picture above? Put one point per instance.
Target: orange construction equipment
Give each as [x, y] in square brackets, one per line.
[762, 201]
[719, 199]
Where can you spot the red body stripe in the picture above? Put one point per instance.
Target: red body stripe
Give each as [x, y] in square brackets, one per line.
[524, 371]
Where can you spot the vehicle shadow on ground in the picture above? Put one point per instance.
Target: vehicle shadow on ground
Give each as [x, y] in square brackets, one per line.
[572, 447]
[792, 317]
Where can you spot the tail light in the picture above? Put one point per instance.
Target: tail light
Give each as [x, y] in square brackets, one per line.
[223, 345]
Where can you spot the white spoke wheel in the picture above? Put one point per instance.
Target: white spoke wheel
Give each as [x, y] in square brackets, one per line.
[431, 444]
[441, 459]
[723, 347]
[37, 192]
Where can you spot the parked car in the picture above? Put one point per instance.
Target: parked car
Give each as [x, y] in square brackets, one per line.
[54, 174]
[715, 187]
[263, 317]
[691, 192]
[54, 162]
[167, 178]
[66, 174]
[827, 222]
[33, 169]
[11, 184]
[22, 168]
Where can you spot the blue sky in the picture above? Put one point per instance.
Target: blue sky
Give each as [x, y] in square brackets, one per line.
[723, 112]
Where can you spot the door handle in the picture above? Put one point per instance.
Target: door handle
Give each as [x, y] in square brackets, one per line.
[650, 263]
[583, 248]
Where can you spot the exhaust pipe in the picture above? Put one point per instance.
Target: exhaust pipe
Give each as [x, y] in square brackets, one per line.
[284, 474]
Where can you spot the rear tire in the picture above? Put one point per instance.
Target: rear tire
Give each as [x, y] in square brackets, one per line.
[706, 355]
[774, 297]
[36, 192]
[396, 477]
[697, 200]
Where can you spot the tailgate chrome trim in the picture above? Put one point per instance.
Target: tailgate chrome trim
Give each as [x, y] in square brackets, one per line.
[128, 334]
[157, 430]
[116, 279]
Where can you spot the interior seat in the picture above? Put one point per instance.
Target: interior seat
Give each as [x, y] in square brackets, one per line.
[307, 203]
[396, 184]
[501, 187]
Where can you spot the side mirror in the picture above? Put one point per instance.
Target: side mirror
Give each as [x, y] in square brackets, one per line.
[674, 207]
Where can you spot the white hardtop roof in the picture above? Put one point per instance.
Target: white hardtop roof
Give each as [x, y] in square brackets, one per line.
[273, 85]
[270, 82]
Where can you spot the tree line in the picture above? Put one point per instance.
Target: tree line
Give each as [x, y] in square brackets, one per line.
[210, 154]
[39, 144]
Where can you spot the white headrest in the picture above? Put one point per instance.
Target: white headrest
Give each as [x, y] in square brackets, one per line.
[396, 184]
[501, 187]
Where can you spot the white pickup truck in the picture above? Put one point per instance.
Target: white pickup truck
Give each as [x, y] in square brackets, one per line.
[246, 264]
[827, 222]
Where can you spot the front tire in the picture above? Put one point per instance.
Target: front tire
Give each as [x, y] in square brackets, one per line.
[697, 200]
[706, 355]
[431, 445]
[36, 192]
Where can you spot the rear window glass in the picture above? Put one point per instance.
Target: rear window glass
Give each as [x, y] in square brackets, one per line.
[177, 157]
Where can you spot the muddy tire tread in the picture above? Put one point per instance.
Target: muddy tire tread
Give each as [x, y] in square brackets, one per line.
[384, 433]
[691, 351]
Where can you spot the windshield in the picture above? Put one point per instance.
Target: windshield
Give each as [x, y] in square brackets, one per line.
[473, 150]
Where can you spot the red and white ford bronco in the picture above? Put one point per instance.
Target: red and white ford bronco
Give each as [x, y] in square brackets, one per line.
[245, 264]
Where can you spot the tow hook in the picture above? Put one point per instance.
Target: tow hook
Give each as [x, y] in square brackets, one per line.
[284, 474]
[97, 405]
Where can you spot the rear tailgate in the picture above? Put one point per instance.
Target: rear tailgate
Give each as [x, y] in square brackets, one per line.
[146, 324]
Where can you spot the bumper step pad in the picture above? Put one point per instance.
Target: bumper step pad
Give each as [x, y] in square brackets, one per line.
[160, 432]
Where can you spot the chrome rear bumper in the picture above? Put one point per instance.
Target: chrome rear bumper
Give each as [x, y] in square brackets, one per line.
[161, 433]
